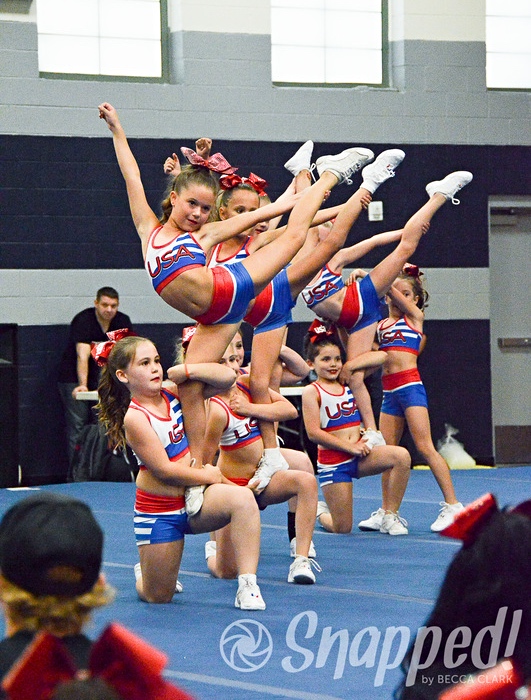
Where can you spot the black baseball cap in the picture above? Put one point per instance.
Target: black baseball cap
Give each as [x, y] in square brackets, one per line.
[51, 544]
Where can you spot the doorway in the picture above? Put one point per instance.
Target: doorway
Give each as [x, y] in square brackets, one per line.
[510, 327]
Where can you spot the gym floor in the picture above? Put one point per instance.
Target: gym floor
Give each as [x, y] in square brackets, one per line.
[342, 638]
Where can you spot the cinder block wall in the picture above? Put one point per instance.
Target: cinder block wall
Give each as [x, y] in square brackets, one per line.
[221, 84]
[65, 223]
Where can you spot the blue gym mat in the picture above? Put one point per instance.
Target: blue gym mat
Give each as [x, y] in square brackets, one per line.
[341, 639]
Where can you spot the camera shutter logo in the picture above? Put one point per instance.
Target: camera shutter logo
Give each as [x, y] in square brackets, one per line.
[246, 645]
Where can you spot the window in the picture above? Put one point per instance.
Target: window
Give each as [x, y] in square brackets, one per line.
[508, 46]
[100, 37]
[327, 42]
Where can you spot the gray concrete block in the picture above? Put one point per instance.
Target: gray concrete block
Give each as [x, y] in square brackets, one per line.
[467, 105]
[17, 36]
[414, 78]
[492, 131]
[381, 103]
[444, 53]
[463, 53]
[408, 129]
[476, 79]
[398, 77]
[428, 104]
[448, 130]
[397, 53]
[450, 79]
[519, 132]
[334, 101]
[212, 73]
[509, 105]
[19, 64]
[439, 95]
[303, 101]
[227, 46]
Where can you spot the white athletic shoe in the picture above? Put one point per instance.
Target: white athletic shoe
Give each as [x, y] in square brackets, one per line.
[393, 524]
[210, 548]
[382, 169]
[248, 596]
[293, 549]
[193, 499]
[268, 465]
[301, 160]
[301, 572]
[138, 574]
[345, 163]
[451, 184]
[373, 438]
[446, 516]
[373, 523]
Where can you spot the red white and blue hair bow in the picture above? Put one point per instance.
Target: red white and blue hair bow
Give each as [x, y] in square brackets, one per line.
[100, 351]
[412, 270]
[216, 162]
[469, 522]
[187, 335]
[320, 331]
[126, 663]
[255, 181]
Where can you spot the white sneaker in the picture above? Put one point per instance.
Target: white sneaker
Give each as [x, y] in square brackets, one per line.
[301, 570]
[451, 184]
[210, 548]
[393, 524]
[382, 169]
[138, 574]
[268, 465]
[248, 596]
[345, 163]
[373, 438]
[293, 549]
[374, 522]
[446, 516]
[301, 160]
[193, 499]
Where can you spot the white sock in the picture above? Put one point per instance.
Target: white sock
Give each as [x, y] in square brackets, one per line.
[246, 578]
[272, 451]
[370, 186]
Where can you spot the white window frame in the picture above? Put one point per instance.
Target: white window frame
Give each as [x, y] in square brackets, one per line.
[316, 61]
[508, 50]
[97, 41]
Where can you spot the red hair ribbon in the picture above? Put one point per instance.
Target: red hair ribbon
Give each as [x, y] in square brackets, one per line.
[255, 181]
[128, 664]
[469, 521]
[188, 334]
[497, 683]
[319, 331]
[100, 351]
[412, 270]
[217, 163]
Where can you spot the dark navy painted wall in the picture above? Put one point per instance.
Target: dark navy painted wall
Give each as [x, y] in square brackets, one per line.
[64, 207]
[42, 445]
[64, 202]
[456, 356]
